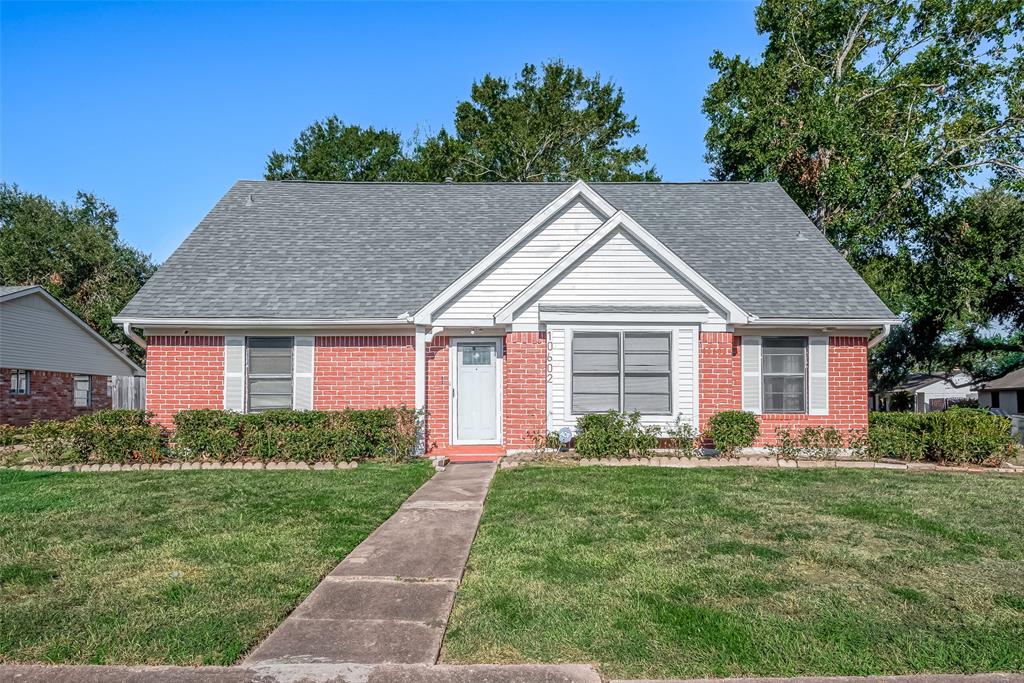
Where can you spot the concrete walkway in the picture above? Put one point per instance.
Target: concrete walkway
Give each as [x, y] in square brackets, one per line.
[388, 602]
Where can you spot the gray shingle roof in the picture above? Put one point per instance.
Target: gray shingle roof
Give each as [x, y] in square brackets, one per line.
[376, 250]
[1013, 380]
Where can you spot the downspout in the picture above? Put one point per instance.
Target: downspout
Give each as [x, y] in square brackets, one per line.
[130, 333]
[875, 341]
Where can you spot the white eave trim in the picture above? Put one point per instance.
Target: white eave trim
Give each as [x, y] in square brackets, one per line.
[625, 317]
[823, 322]
[231, 323]
[36, 289]
[579, 191]
[620, 219]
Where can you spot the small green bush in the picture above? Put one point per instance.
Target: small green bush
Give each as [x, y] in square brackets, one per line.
[614, 434]
[682, 437]
[903, 436]
[10, 435]
[732, 430]
[106, 436]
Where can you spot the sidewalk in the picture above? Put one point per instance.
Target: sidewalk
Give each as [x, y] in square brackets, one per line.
[388, 602]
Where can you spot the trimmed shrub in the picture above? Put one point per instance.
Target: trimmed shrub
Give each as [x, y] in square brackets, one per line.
[106, 436]
[10, 435]
[966, 436]
[298, 435]
[957, 435]
[732, 430]
[902, 436]
[614, 434]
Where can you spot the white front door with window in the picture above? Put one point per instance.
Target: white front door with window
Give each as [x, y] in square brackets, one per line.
[475, 392]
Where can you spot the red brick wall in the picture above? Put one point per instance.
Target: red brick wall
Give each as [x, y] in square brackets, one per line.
[524, 396]
[721, 385]
[183, 373]
[720, 375]
[51, 397]
[438, 393]
[364, 372]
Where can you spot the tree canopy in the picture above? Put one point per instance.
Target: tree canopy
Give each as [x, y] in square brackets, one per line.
[881, 118]
[75, 253]
[549, 124]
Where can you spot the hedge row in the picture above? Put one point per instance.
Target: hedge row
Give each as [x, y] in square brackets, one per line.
[127, 436]
[306, 436]
[957, 435]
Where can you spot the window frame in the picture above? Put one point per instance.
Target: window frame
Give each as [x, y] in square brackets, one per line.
[806, 373]
[19, 387]
[621, 374]
[88, 391]
[249, 376]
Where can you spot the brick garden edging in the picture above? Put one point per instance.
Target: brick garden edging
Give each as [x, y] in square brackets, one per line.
[772, 462]
[169, 466]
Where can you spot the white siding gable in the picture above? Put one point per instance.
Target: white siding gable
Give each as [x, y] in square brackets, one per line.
[513, 274]
[619, 271]
[36, 335]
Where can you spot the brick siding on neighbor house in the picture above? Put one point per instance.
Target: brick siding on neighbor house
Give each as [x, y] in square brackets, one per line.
[721, 385]
[183, 373]
[362, 372]
[51, 397]
[525, 391]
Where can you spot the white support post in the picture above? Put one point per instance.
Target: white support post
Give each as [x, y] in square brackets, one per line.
[421, 384]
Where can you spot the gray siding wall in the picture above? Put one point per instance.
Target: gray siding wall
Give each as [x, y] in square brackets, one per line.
[36, 335]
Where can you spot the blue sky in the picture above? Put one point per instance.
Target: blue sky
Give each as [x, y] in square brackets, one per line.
[159, 107]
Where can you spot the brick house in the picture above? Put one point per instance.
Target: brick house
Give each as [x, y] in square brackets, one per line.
[53, 366]
[507, 310]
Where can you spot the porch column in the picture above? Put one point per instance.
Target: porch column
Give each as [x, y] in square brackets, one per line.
[420, 395]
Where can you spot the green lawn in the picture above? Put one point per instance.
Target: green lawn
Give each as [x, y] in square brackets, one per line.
[174, 567]
[652, 572]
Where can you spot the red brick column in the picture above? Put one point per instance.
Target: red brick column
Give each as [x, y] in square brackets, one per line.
[183, 373]
[438, 393]
[363, 372]
[720, 375]
[51, 397]
[525, 389]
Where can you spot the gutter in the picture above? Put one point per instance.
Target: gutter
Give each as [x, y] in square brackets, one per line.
[130, 333]
[875, 341]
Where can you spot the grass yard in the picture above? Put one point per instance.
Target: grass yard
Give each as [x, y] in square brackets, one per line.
[174, 567]
[651, 572]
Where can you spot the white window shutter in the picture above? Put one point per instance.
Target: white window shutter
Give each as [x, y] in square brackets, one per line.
[817, 376]
[752, 374]
[302, 373]
[234, 374]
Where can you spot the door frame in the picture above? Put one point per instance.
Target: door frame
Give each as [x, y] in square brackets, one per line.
[453, 392]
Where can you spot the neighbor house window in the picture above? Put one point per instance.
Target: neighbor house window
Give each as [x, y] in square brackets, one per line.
[627, 371]
[20, 382]
[784, 374]
[995, 399]
[83, 391]
[269, 373]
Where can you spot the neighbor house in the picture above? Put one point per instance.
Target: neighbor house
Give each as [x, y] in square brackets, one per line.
[1005, 393]
[53, 366]
[508, 310]
[928, 393]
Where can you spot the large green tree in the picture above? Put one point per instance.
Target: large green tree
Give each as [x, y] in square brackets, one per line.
[74, 252]
[878, 117]
[549, 124]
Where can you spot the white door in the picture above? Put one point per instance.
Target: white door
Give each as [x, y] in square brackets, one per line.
[476, 392]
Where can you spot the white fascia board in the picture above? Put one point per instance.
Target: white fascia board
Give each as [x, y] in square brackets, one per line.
[68, 313]
[232, 323]
[823, 322]
[621, 219]
[578, 317]
[579, 190]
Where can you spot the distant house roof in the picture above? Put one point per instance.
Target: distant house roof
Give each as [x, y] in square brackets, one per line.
[293, 250]
[38, 332]
[1013, 380]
